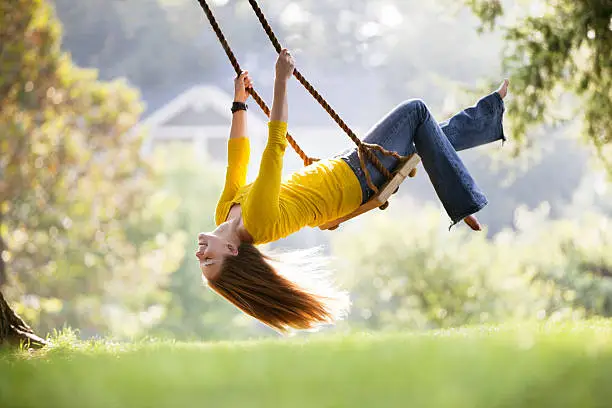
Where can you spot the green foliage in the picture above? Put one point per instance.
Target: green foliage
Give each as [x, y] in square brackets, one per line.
[75, 188]
[565, 46]
[570, 263]
[488, 10]
[560, 365]
[409, 271]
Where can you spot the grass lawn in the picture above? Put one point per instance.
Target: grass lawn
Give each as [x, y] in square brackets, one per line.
[549, 365]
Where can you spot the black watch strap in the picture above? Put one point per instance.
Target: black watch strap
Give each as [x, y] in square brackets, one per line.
[236, 106]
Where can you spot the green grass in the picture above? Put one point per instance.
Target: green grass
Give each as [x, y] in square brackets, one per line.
[553, 365]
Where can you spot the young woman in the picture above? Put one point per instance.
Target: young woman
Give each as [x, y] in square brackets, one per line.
[271, 208]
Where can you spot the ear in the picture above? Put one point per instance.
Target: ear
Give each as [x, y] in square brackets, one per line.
[232, 249]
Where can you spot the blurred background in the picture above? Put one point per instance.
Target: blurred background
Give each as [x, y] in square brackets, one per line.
[113, 127]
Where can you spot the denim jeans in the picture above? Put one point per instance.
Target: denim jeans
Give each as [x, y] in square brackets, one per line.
[411, 128]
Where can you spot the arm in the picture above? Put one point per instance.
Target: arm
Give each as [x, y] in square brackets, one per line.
[239, 119]
[239, 125]
[280, 107]
[264, 195]
[238, 147]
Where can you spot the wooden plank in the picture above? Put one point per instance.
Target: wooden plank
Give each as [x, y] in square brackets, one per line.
[382, 196]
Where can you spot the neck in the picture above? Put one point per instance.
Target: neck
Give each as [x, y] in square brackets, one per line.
[235, 233]
[242, 233]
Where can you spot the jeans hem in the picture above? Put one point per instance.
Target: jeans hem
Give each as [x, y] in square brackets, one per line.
[501, 119]
[473, 210]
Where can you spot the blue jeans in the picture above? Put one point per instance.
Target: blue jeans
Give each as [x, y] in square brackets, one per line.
[411, 128]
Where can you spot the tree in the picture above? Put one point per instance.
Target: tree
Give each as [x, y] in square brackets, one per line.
[563, 46]
[410, 272]
[78, 209]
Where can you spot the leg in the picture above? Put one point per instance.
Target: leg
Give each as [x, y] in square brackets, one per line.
[474, 126]
[455, 187]
[410, 128]
[477, 125]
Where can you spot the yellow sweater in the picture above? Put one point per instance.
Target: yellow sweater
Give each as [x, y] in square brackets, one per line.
[273, 208]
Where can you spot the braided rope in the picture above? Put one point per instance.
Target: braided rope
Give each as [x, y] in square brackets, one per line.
[215, 26]
[364, 149]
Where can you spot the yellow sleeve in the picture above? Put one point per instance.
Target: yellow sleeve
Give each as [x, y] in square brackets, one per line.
[238, 154]
[263, 200]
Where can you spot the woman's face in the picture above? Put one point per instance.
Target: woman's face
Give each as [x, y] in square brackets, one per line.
[211, 252]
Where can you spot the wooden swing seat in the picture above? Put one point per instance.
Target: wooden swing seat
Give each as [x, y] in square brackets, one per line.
[380, 200]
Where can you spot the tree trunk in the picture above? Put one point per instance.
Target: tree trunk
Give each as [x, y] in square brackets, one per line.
[14, 331]
[2, 244]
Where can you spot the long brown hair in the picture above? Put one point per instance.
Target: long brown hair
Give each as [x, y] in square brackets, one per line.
[253, 282]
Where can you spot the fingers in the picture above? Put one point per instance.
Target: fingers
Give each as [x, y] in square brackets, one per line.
[286, 55]
[248, 82]
[285, 65]
[242, 75]
[245, 79]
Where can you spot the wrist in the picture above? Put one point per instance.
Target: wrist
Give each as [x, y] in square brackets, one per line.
[239, 106]
[280, 80]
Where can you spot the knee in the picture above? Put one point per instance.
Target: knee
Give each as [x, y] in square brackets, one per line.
[412, 106]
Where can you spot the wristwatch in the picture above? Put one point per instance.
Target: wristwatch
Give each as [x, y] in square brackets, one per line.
[236, 106]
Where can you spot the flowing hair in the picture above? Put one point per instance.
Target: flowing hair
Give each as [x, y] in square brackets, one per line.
[285, 291]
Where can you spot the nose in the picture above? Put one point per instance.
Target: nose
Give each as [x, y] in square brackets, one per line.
[202, 245]
[202, 252]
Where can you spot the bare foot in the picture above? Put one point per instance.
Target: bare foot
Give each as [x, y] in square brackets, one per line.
[503, 89]
[473, 223]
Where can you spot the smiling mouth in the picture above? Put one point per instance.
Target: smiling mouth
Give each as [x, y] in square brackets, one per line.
[208, 262]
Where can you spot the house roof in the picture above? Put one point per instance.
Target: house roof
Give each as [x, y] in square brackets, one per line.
[198, 106]
[202, 111]
[359, 106]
